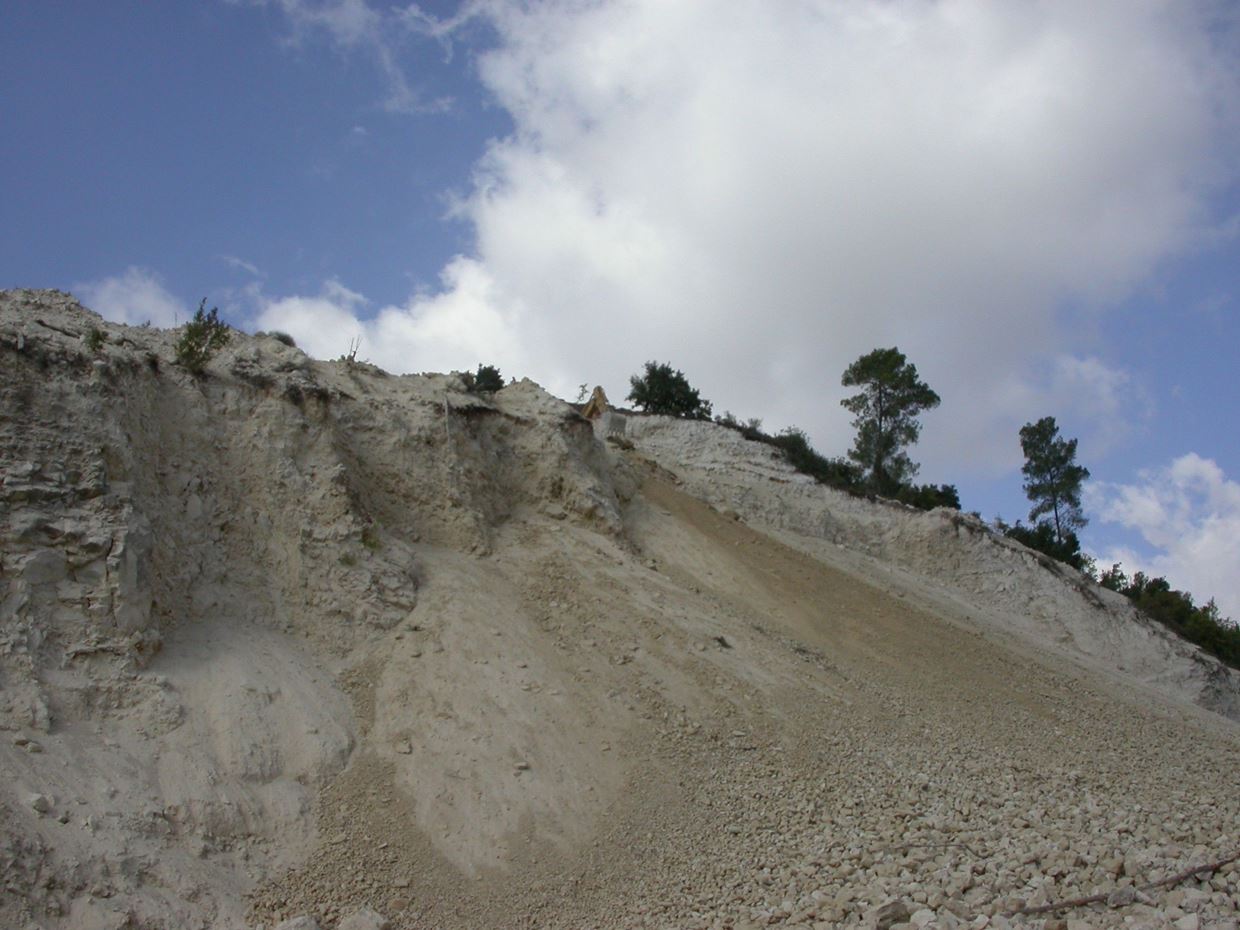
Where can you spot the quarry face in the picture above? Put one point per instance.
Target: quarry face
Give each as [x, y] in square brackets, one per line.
[294, 644]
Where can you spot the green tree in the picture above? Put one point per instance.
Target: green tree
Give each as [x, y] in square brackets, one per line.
[885, 416]
[664, 390]
[487, 380]
[1052, 478]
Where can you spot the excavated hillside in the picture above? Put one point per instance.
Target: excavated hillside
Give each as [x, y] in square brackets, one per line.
[298, 643]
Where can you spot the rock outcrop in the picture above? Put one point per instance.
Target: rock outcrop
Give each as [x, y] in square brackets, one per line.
[294, 642]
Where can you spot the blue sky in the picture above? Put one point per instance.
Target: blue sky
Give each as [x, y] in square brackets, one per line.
[1039, 203]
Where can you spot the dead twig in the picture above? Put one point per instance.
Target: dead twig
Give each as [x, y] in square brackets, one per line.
[1102, 898]
[57, 329]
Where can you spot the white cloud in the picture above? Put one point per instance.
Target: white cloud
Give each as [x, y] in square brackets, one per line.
[466, 324]
[241, 265]
[324, 326]
[355, 26]
[1189, 512]
[759, 193]
[135, 297]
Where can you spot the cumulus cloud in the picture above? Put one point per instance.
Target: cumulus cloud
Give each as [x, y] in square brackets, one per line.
[324, 326]
[467, 323]
[135, 297]
[1189, 513]
[760, 193]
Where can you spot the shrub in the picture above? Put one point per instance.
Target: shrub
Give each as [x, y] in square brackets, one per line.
[929, 496]
[795, 447]
[95, 339]
[486, 380]
[837, 472]
[284, 338]
[804, 458]
[204, 335]
[1041, 537]
[1175, 610]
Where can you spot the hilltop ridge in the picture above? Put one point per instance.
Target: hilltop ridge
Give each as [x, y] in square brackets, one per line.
[300, 637]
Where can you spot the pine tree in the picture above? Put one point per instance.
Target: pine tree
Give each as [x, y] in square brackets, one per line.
[1052, 477]
[886, 416]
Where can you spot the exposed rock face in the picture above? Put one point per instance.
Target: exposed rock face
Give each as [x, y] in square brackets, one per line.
[302, 641]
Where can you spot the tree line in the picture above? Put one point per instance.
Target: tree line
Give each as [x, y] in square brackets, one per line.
[890, 398]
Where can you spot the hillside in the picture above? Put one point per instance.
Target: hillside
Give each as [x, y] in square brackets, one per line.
[302, 638]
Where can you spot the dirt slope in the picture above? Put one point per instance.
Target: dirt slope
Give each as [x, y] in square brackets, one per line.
[298, 638]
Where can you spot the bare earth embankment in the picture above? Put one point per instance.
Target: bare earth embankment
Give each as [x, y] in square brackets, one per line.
[302, 639]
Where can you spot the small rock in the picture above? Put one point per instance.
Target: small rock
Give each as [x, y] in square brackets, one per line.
[1194, 899]
[40, 802]
[364, 919]
[404, 748]
[304, 922]
[891, 913]
[1122, 897]
[1189, 922]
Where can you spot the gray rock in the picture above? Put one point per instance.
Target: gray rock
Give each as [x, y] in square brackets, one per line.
[304, 922]
[40, 802]
[45, 567]
[364, 919]
[1122, 897]
[891, 913]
